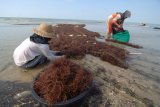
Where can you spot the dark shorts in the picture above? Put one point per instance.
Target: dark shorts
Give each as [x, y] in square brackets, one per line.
[38, 60]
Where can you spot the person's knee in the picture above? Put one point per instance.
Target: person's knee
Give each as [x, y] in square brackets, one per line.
[43, 60]
[26, 66]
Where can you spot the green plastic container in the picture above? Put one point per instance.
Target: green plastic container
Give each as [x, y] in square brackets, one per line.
[122, 36]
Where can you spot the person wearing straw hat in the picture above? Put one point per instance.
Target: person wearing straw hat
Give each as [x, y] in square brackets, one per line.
[115, 22]
[35, 49]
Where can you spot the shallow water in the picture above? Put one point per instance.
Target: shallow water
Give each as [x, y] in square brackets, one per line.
[144, 36]
[12, 34]
[146, 64]
[10, 37]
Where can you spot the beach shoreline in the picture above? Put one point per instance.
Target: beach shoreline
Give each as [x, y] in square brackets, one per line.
[137, 86]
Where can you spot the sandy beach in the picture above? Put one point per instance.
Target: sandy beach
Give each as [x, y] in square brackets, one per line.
[133, 87]
[137, 86]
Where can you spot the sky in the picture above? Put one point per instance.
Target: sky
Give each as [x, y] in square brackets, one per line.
[143, 11]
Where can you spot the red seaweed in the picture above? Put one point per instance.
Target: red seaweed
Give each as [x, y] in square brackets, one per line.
[76, 41]
[62, 80]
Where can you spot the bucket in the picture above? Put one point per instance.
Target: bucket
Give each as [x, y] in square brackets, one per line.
[122, 36]
[73, 102]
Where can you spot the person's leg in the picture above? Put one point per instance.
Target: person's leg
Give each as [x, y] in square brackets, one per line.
[43, 60]
[37, 60]
[114, 29]
[109, 32]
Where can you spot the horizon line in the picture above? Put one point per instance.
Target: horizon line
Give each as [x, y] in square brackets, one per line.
[74, 19]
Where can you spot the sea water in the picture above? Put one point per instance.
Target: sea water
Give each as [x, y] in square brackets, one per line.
[145, 66]
[14, 30]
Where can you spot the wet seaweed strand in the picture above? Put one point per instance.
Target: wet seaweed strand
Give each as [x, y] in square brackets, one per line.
[128, 44]
[62, 80]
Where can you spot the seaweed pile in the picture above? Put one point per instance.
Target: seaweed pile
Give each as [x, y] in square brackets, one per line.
[73, 29]
[76, 41]
[62, 80]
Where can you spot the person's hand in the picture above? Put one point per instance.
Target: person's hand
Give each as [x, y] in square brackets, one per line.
[119, 27]
[64, 56]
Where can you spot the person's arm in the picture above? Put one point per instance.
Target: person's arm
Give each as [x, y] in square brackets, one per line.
[121, 24]
[114, 21]
[48, 53]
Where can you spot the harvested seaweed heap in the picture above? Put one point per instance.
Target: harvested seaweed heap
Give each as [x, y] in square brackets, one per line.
[62, 80]
[76, 41]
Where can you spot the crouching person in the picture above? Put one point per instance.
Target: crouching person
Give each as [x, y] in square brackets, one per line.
[35, 49]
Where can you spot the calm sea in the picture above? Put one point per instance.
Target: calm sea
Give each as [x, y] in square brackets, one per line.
[144, 68]
[14, 30]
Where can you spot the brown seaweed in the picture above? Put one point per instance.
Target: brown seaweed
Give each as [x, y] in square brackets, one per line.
[76, 41]
[62, 80]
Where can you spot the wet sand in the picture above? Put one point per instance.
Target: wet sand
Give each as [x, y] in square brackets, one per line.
[136, 86]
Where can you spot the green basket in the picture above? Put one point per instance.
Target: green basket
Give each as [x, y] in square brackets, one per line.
[122, 36]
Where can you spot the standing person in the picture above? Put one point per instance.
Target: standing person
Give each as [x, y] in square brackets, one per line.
[35, 49]
[115, 22]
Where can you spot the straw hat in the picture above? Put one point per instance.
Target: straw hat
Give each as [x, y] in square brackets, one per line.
[44, 30]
